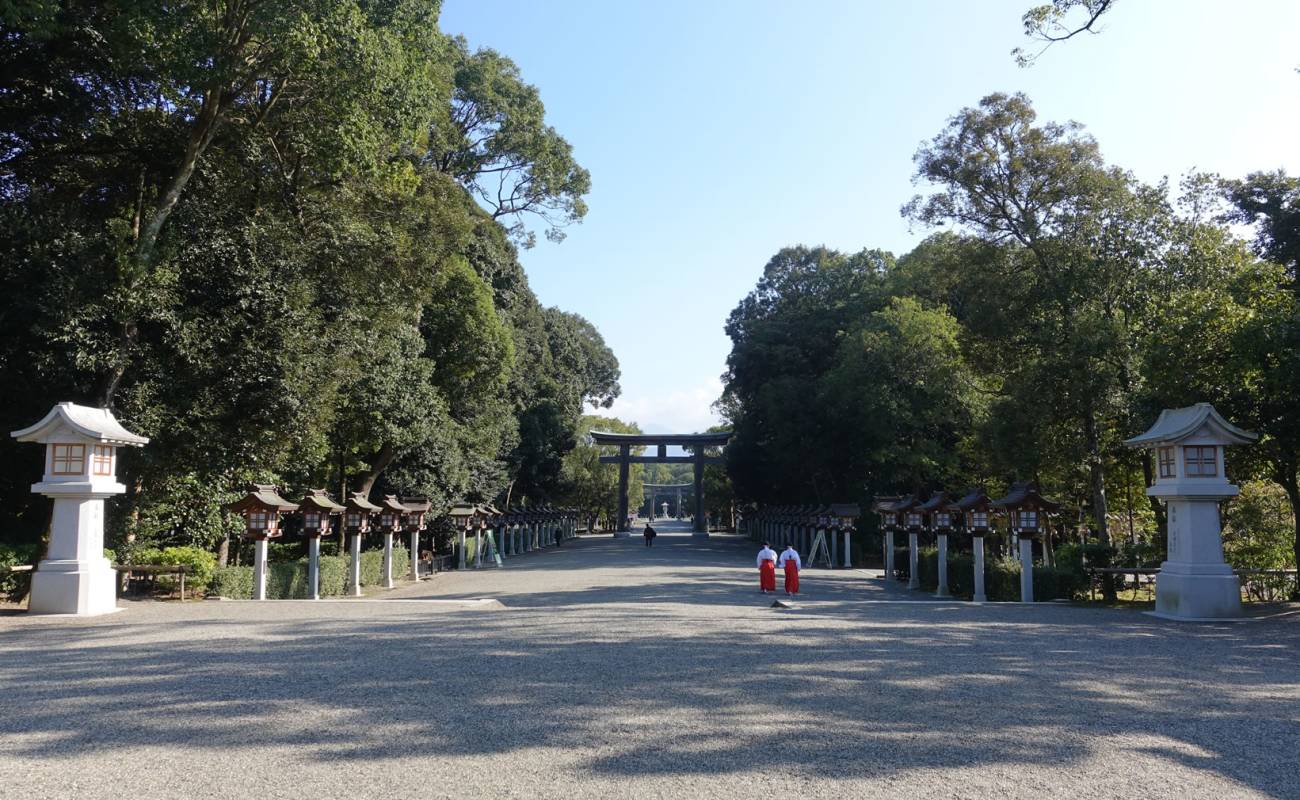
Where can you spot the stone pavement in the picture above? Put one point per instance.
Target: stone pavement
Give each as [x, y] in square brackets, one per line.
[613, 670]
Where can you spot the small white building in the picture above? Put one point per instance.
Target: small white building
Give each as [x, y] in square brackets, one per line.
[81, 445]
[1195, 582]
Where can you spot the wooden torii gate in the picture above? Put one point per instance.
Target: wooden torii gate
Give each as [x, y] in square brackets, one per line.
[696, 442]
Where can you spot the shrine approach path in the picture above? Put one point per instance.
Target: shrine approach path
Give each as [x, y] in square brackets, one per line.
[608, 669]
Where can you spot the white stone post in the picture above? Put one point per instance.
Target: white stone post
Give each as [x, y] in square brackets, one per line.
[848, 560]
[889, 555]
[354, 568]
[388, 559]
[1026, 569]
[913, 579]
[259, 569]
[415, 555]
[977, 544]
[313, 567]
[461, 556]
[943, 566]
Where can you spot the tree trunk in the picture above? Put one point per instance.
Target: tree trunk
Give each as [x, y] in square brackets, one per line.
[223, 551]
[378, 463]
[1096, 475]
[1287, 477]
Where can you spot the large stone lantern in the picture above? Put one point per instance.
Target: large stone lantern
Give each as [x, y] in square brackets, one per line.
[1195, 582]
[81, 445]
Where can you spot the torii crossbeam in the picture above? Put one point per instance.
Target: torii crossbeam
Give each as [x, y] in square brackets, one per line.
[697, 442]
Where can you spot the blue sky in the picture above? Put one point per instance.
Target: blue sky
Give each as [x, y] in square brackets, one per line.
[718, 132]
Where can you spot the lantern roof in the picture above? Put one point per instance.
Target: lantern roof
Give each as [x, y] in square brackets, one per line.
[391, 503]
[1025, 495]
[263, 496]
[973, 499]
[894, 504]
[1177, 424]
[937, 501]
[463, 510]
[846, 510]
[319, 500]
[357, 501]
[417, 505]
[93, 423]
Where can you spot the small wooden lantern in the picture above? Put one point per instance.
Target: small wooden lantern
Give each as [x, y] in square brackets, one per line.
[935, 513]
[317, 507]
[391, 514]
[416, 510]
[1026, 509]
[261, 508]
[358, 510]
[973, 511]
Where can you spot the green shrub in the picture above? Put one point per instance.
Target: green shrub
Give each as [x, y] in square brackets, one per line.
[288, 579]
[15, 585]
[200, 564]
[233, 582]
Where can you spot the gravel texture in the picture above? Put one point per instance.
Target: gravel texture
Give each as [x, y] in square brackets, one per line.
[610, 670]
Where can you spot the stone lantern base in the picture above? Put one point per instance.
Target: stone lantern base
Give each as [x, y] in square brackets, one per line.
[84, 588]
[1197, 591]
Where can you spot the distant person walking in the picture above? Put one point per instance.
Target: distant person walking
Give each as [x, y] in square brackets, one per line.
[766, 569]
[790, 563]
[650, 535]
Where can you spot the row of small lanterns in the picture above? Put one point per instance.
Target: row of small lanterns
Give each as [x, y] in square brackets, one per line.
[799, 526]
[941, 514]
[520, 530]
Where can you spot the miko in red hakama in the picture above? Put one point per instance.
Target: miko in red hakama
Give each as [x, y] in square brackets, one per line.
[767, 575]
[791, 576]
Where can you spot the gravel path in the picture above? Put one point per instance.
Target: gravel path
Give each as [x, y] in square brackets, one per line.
[610, 670]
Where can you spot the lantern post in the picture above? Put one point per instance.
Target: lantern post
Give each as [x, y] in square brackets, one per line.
[972, 510]
[1027, 511]
[261, 508]
[1195, 582]
[463, 515]
[416, 509]
[938, 519]
[317, 507]
[392, 517]
[81, 446]
[356, 519]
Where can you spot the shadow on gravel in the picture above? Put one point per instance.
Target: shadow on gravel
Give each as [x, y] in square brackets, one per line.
[906, 688]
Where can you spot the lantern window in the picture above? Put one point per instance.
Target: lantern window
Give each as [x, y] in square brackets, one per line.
[354, 519]
[979, 519]
[1200, 461]
[103, 460]
[259, 521]
[68, 459]
[914, 520]
[312, 519]
[1165, 455]
[1028, 519]
[942, 520]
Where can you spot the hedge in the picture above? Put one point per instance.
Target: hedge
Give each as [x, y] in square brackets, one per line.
[14, 585]
[1001, 576]
[288, 579]
[199, 562]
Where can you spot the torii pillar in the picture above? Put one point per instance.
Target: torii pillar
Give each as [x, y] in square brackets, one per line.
[701, 524]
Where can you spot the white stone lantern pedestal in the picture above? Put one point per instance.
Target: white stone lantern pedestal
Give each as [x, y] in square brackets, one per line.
[1195, 583]
[80, 473]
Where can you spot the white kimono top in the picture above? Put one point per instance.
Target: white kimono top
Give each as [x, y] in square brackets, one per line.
[766, 554]
[790, 555]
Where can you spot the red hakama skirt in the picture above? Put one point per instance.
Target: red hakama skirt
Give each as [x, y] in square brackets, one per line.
[791, 577]
[767, 576]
